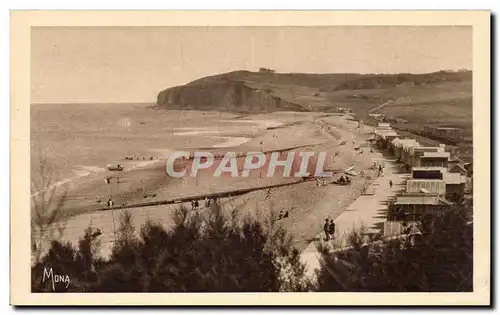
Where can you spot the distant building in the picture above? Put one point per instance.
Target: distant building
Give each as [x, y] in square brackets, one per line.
[343, 110]
[443, 132]
[266, 70]
[384, 138]
[384, 126]
[406, 84]
[402, 146]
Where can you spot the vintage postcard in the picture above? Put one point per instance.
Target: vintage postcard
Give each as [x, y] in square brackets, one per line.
[287, 158]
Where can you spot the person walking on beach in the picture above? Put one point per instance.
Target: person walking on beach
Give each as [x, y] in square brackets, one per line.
[379, 170]
[268, 194]
[326, 229]
[331, 229]
[390, 183]
[110, 203]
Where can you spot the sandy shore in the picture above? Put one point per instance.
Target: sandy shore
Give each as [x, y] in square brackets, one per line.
[308, 205]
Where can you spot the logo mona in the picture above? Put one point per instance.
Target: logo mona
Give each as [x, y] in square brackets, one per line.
[48, 275]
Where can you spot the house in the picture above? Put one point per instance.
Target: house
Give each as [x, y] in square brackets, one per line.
[428, 172]
[396, 146]
[384, 126]
[432, 186]
[455, 186]
[266, 70]
[457, 168]
[407, 148]
[413, 208]
[417, 152]
[443, 132]
[383, 138]
[435, 159]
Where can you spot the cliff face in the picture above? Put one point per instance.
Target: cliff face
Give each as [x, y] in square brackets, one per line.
[224, 95]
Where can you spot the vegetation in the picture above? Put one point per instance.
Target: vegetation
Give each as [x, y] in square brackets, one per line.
[48, 219]
[200, 254]
[440, 261]
[218, 253]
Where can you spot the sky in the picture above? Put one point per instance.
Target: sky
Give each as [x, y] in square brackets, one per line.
[133, 64]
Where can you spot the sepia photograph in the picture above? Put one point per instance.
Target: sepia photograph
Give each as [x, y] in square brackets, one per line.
[255, 158]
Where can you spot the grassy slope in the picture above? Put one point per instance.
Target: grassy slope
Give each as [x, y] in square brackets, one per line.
[440, 98]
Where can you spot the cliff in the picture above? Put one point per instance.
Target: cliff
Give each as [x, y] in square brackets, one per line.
[268, 91]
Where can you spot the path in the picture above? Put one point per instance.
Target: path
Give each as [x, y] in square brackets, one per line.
[367, 211]
[380, 106]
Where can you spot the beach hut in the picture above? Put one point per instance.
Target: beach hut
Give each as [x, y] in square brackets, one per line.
[428, 172]
[413, 208]
[417, 152]
[435, 159]
[385, 137]
[431, 186]
[455, 186]
[396, 145]
[406, 149]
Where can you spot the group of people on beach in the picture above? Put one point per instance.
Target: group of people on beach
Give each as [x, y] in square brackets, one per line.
[379, 168]
[108, 179]
[344, 180]
[139, 158]
[195, 205]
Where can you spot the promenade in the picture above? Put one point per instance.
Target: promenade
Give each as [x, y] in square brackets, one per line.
[367, 212]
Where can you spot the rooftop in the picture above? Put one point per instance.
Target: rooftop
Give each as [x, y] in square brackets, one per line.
[458, 166]
[436, 155]
[426, 149]
[429, 168]
[448, 128]
[387, 133]
[454, 178]
[422, 199]
[403, 143]
[425, 186]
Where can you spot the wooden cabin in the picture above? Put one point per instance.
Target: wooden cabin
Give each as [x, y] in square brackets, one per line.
[455, 186]
[435, 159]
[407, 148]
[413, 208]
[432, 186]
[428, 172]
[457, 168]
[417, 152]
[384, 138]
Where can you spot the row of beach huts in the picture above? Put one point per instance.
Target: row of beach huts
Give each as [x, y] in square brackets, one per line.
[438, 181]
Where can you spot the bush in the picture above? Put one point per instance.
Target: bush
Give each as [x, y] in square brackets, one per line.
[215, 253]
[442, 262]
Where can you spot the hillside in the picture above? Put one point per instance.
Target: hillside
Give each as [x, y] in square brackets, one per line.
[439, 98]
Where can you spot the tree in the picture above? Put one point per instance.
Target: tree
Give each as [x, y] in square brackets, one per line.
[442, 261]
[48, 219]
[211, 252]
